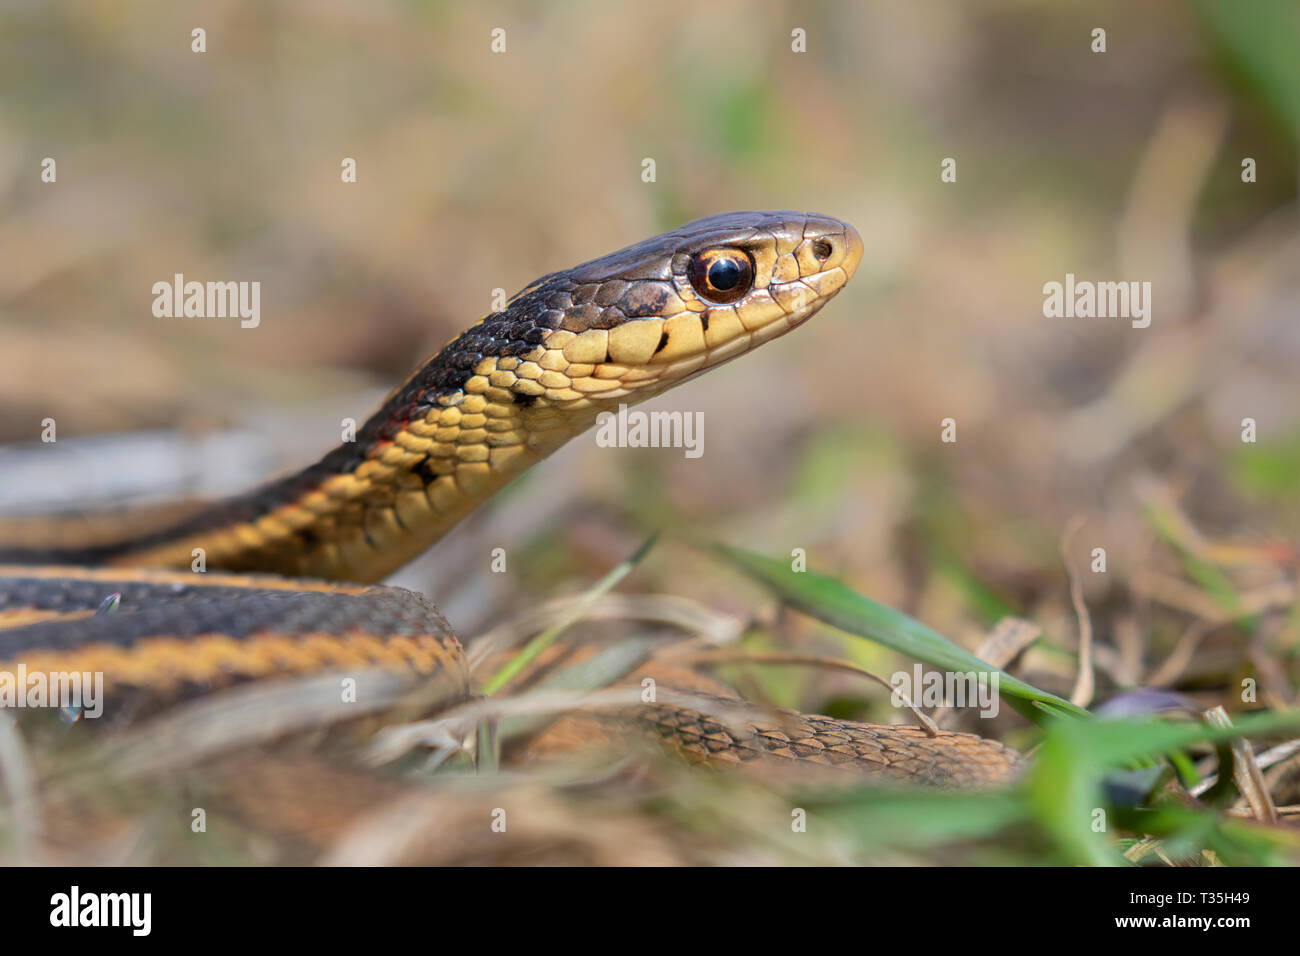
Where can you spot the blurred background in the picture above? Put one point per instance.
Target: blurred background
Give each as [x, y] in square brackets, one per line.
[478, 171]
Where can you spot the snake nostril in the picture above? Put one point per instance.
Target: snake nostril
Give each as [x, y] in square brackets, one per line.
[822, 249]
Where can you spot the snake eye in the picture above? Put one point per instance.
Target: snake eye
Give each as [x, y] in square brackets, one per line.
[722, 275]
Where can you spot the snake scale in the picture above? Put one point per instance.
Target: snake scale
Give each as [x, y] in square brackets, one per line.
[285, 591]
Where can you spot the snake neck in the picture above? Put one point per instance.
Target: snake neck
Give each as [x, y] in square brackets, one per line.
[471, 419]
[437, 448]
[492, 403]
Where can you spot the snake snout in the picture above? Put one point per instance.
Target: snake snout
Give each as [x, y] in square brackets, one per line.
[833, 251]
[844, 247]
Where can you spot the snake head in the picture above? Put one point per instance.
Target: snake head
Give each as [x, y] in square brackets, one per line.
[628, 325]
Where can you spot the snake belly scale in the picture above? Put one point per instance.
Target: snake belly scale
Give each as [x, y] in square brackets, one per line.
[293, 557]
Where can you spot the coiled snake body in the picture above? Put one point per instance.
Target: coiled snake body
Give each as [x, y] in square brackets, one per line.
[502, 395]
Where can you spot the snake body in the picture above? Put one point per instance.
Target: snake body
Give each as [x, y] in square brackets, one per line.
[499, 397]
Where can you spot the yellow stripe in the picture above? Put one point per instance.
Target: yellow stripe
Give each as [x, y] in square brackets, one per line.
[161, 664]
[187, 578]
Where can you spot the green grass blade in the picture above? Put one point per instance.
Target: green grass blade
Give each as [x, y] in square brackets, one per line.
[1260, 40]
[920, 817]
[1111, 743]
[1065, 786]
[580, 608]
[839, 606]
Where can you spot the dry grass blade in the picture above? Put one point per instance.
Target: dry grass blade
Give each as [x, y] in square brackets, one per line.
[257, 713]
[1245, 770]
[606, 667]
[1085, 685]
[1269, 758]
[20, 786]
[468, 825]
[688, 615]
[1147, 846]
[519, 663]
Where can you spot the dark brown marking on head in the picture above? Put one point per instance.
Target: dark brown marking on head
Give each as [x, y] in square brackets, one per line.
[663, 342]
[580, 318]
[704, 318]
[646, 299]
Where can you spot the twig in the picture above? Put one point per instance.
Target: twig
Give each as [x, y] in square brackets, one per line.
[1245, 770]
[1269, 758]
[1085, 684]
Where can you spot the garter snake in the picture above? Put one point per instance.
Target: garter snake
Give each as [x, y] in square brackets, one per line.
[499, 397]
